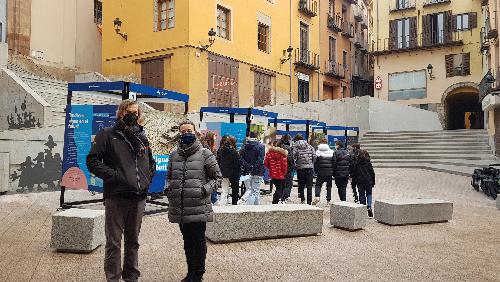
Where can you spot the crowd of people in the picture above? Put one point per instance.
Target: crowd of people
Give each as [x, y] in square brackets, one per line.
[121, 156]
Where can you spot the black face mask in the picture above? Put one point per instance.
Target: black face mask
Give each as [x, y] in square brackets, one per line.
[129, 119]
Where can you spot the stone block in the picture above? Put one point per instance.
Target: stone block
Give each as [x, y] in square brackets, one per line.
[77, 230]
[498, 201]
[348, 216]
[246, 223]
[412, 211]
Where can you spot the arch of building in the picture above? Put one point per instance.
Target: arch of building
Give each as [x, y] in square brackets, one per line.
[456, 91]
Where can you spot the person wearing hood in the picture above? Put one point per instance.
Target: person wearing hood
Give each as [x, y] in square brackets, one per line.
[192, 175]
[285, 143]
[121, 157]
[364, 175]
[252, 164]
[229, 164]
[276, 163]
[341, 168]
[324, 170]
[304, 158]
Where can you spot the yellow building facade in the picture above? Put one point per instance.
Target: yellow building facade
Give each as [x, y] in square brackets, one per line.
[264, 52]
[427, 54]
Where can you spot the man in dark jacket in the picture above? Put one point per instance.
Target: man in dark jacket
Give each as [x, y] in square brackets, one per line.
[354, 159]
[304, 157]
[192, 176]
[252, 164]
[228, 159]
[342, 167]
[121, 156]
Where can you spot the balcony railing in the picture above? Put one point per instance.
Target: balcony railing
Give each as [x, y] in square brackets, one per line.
[306, 59]
[433, 2]
[484, 2]
[488, 84]
[334, 69]
[335, 22]
[492, 30]
[347, 29]
[361, 72]
[309, 7]
[401, 5]
[422, 41]
[360, 42]
[360, 16]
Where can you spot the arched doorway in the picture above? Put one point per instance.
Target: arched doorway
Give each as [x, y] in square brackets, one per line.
[462, 109]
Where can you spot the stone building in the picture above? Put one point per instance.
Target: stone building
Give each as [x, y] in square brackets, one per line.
[427, 54]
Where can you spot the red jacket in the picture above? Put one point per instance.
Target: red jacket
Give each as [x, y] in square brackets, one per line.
[276, 162]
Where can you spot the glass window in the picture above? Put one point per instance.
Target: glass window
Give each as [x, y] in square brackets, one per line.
[170, 14]
[463, 22]
[263, 37]
[223, 22]
[407, 85]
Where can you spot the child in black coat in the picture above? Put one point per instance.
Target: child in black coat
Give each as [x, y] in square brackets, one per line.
[364, 177]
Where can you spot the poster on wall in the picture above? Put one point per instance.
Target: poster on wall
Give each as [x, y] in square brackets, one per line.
[82, 124]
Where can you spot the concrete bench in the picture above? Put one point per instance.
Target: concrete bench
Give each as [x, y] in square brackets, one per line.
[498, 201]
[348, 216]
[77, 230]
[412, 211]
[245, 223]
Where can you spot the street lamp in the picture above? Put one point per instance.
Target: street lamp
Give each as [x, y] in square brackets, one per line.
[429, 71]
[118, 24]
[211, 40]
[288, 50]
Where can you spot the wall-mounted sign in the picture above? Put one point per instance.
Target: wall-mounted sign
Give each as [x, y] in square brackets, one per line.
[378, 83]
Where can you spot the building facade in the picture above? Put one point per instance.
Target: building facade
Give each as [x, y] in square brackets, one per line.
[264, 52]
[427, 54]
[56, 33]
[489, 88]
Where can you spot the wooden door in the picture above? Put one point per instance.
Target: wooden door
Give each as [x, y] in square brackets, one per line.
[222, 82]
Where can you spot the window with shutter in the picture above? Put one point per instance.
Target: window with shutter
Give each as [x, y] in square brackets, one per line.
[262, 89]
[462, 22]
[449, 65]
[472, 20]
[393, 34]
[223, 22]
[413, 32]
[426, 30]
[465, 64]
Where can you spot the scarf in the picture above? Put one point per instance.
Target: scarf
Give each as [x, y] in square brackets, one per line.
[135, 136]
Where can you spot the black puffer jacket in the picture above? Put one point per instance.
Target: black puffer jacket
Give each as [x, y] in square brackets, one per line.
[252, 157]
[342, 163]
[228, 159]
[192, 176]
[363, 173]
[124, 173]
[324, 161]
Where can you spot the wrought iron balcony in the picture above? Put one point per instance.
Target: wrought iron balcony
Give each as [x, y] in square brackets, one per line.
[361, 72]
[334, 69]
[434, 2]
[347, 29]
[309, 7]
[484, 2]
[424, 41]
[401, 5]
[335, 22]
[306, 59]
[360, 42]
[488, 84]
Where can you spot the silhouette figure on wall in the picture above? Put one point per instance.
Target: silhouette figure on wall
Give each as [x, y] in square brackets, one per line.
[44, 173]
[23, 118]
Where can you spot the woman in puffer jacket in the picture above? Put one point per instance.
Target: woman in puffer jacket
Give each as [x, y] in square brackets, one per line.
[276, 163]
[229, 164]
[324, 171]
[304, 157]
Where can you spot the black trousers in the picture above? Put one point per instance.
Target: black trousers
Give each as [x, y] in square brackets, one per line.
[305, 178]
[319, 183]
[195, 248]
[288, 185]
[123, 217]
[235, 190]
[341, 184]
[279, 191]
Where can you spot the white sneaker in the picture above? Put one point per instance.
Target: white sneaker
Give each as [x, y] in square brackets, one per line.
[315, 200]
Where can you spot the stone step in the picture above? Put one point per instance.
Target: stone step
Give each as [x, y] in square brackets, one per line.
[452, 162]
[439, 132]
[450, 169]
[434, 157]
[430, 149]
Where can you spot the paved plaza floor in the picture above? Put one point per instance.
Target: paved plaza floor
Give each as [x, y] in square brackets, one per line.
[464, 249]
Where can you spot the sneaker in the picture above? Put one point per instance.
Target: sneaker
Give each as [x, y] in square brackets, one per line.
[315, 200]
[370, 213]
[302, 201]
[284, 201]
[328, 202]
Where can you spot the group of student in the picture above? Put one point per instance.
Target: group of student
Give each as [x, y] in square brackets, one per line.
[285, 158]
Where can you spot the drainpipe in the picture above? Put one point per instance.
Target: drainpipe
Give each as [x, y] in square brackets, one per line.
[319, 51]
[290, 61]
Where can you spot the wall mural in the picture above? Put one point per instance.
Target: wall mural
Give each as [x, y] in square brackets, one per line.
[41, 173]
[22, 118]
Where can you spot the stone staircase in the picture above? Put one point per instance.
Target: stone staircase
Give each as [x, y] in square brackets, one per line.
[455, 151]
[55, 92]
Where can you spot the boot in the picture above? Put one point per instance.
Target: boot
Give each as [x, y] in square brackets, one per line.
[370, 212]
